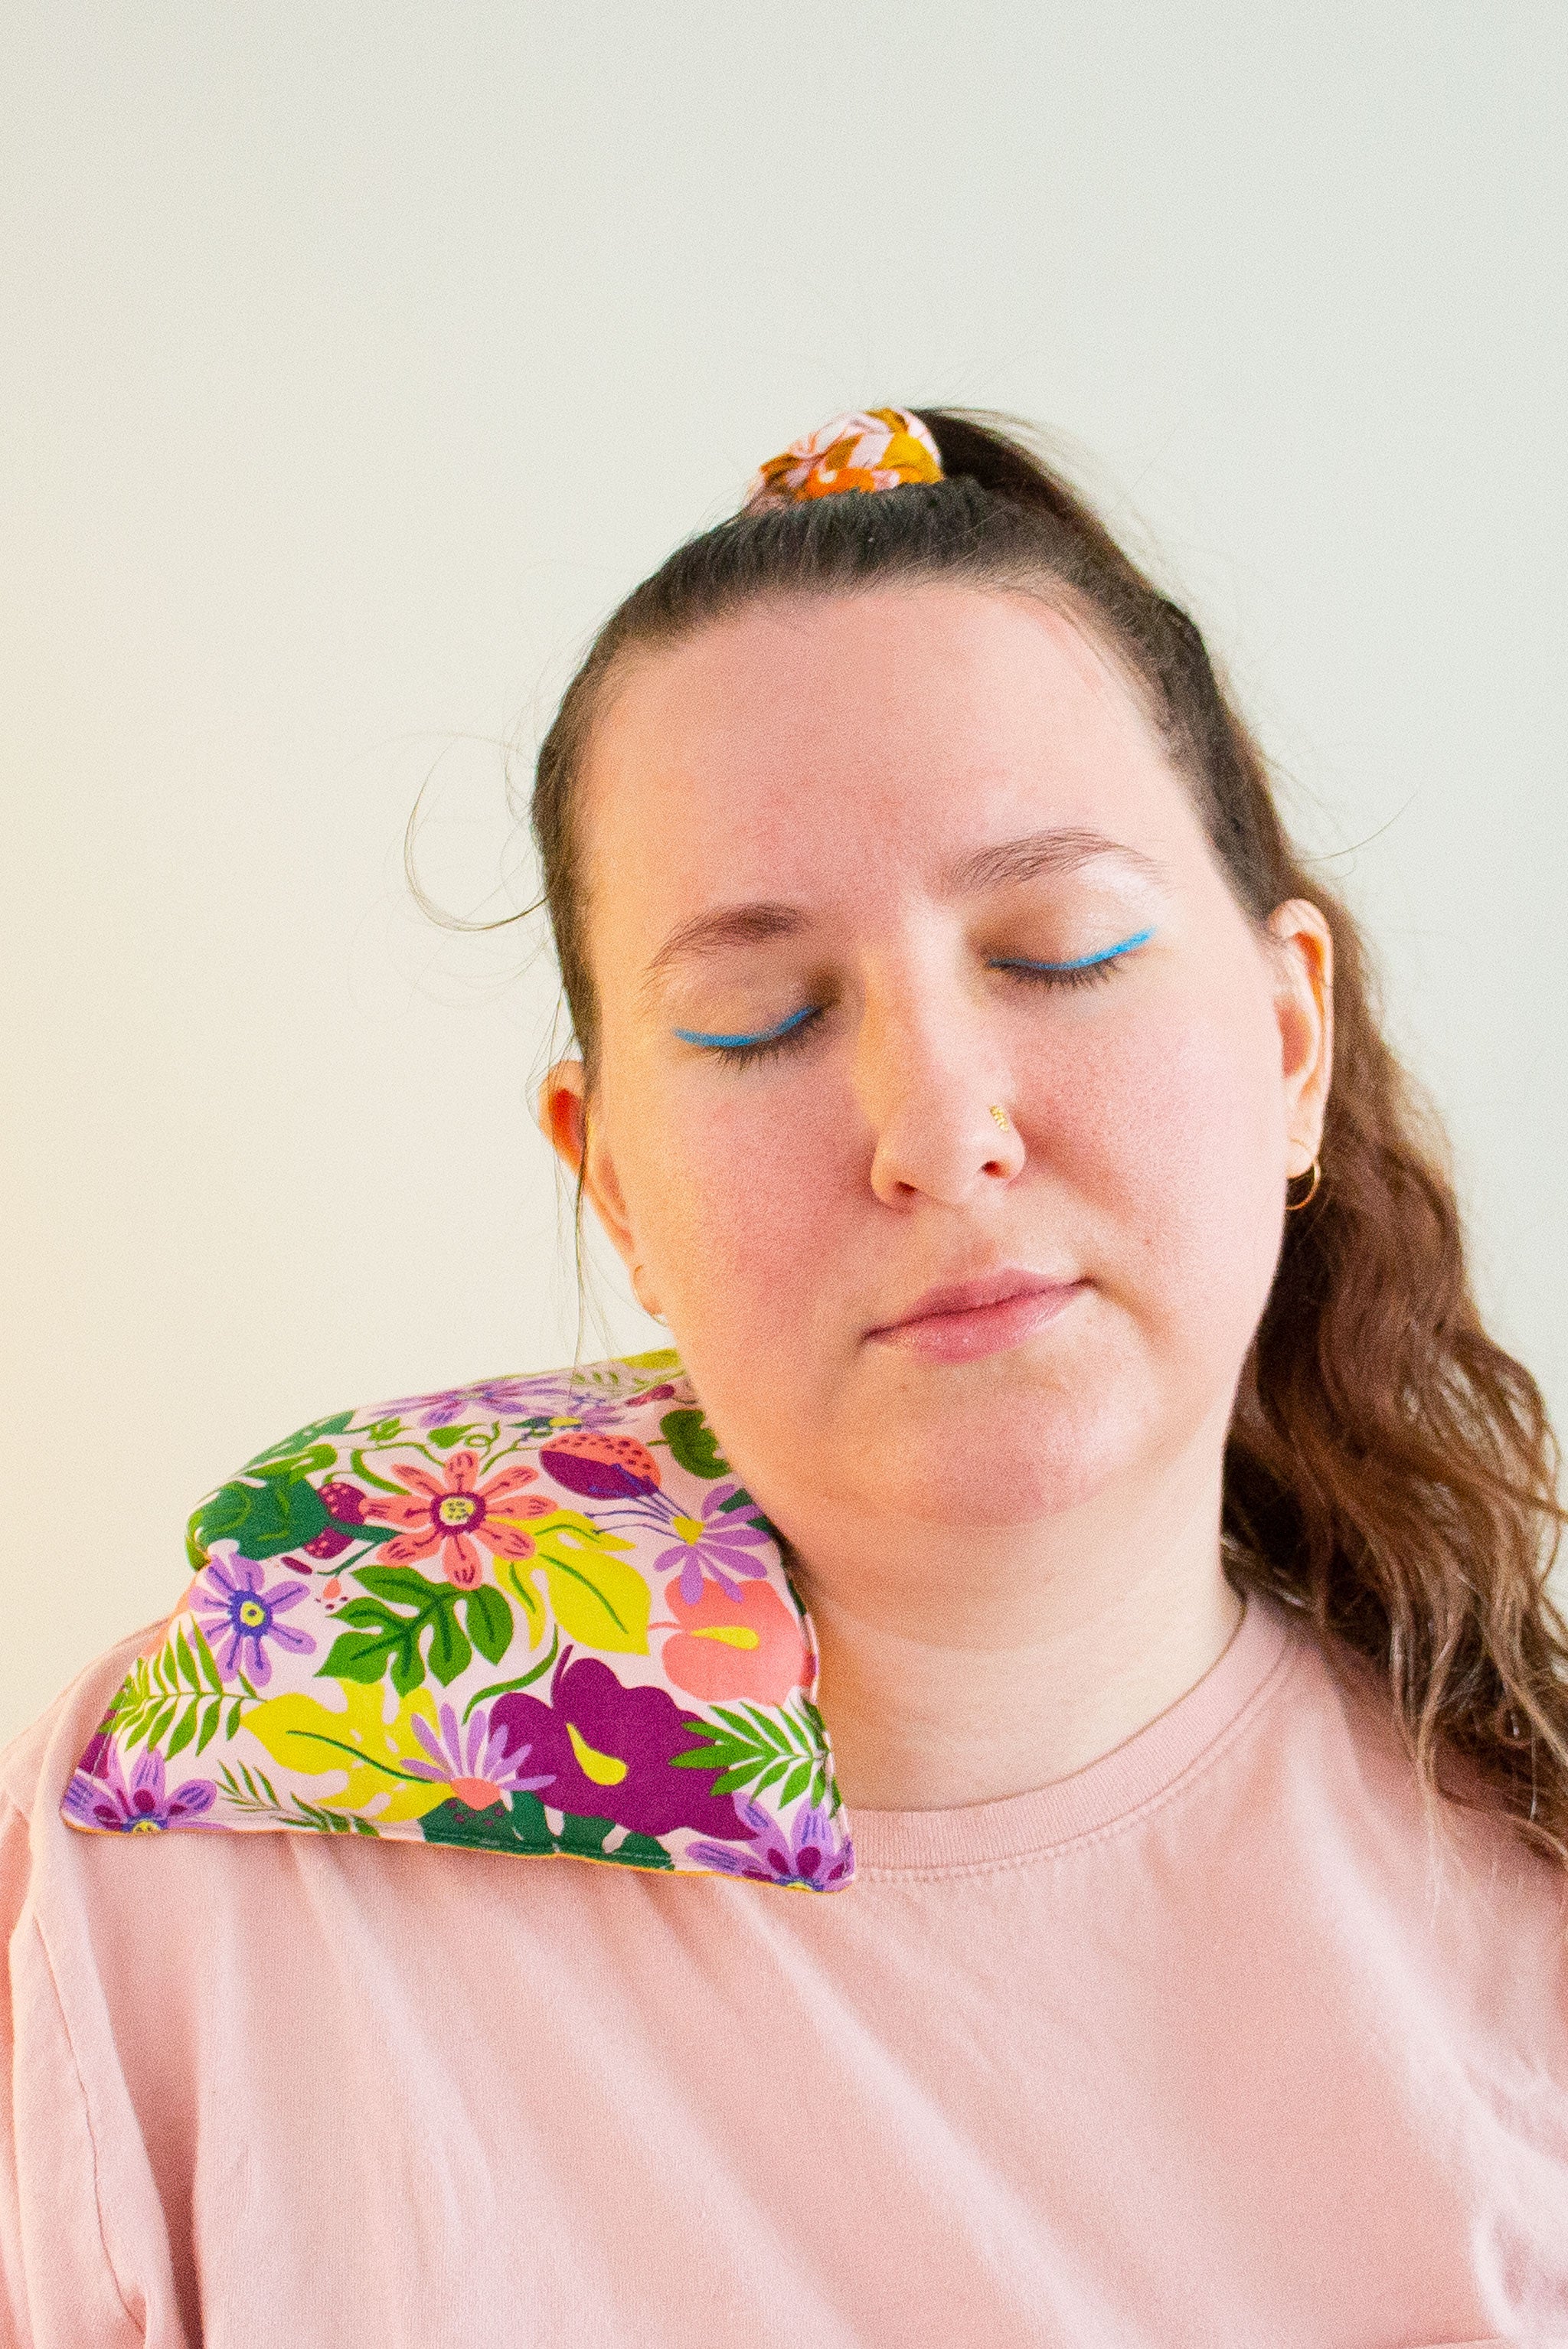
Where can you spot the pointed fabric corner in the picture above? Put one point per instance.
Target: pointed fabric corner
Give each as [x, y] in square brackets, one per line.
[536, 1614]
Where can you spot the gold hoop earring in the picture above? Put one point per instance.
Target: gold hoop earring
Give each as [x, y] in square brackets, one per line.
[1294, 1207]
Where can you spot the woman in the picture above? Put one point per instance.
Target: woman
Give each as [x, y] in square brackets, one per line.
[1072, 1319]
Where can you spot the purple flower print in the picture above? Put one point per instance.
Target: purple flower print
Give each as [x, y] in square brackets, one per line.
[715, 1544]
[237, 1612]
[559, 1400]
[612, 1752]
[475, 1763]
[127, 1808]
[810, 1851]
[548, 1395]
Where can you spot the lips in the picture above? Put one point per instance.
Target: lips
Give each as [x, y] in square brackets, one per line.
[964, 1320]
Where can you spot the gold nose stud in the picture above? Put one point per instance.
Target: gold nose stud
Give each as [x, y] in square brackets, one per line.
[1000, 1114]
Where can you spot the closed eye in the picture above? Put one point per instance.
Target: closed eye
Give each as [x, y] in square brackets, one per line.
[1083, 970]
[749, 1048]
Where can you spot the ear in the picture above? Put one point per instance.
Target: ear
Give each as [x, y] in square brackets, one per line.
[1303, 1006]
[563, 1111]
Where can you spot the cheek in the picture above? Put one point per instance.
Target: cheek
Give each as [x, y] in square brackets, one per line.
[1155, 1158]
[1169, 1138]
[735, 1203]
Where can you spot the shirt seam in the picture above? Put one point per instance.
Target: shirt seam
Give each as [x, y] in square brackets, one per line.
[37, 1929]
[1006, 1863]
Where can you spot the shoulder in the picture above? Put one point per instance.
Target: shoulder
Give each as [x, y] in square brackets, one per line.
[36, 1766]
[1348, 1782]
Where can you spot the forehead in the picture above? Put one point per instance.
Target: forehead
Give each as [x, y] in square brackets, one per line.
[801, 743]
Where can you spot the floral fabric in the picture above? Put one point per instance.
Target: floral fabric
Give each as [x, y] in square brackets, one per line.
[880, 449]
[533, 1615]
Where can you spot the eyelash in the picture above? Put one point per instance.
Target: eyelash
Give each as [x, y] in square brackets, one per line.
[1085, 971]
[1090, 970]
[794, 1031]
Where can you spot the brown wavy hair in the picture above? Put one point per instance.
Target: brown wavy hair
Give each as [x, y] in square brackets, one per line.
[1390, 1472]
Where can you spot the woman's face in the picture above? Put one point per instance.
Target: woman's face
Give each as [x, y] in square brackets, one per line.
[899, 834]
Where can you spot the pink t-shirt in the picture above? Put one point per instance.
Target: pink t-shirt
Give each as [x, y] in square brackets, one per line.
[1213, 2043]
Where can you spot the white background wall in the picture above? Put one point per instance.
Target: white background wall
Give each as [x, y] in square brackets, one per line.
[354, 360]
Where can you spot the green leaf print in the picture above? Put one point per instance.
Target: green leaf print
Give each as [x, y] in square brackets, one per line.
[520, 1825]
[387, 1628]
[303, 1439]
[254, 1791]
[691, 1444]
[451, 1649]
[281, 1511]
[523, 1679]
[489, 1621]
[753, 1750]
[586, 1838]
[517, 1825]
[172, 1693]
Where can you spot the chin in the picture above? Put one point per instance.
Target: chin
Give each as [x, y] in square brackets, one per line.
[1008, 1457]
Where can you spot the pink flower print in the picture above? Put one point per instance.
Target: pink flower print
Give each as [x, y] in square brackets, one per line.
[240, 1616]
[716, 1545]
[107, 1800]
[454, 1514]
[474, 1763]
[751, 1645]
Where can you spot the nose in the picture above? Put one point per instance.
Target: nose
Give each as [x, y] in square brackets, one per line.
[930, 1085]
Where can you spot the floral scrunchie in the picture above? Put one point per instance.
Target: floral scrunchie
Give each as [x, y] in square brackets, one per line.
[536, 1614]
[874, 448]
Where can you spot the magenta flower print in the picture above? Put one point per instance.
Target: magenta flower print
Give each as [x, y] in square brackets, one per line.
[99, 1746]
[807, 1851]
[718, 1546]
[120, 1805]
[613, 1753]
[601, 1467]
[346, 1504]
[239, 1612]
[623, 1473]
[475, 1761]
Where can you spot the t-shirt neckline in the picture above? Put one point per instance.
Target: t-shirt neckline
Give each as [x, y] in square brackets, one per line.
[1097, 1796]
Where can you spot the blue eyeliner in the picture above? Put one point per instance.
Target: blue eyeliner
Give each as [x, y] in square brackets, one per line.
[1082, 962]
[1011, 962]
[766, 1036]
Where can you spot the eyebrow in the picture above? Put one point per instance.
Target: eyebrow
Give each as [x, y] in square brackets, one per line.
[706, 935]
[1064, 849]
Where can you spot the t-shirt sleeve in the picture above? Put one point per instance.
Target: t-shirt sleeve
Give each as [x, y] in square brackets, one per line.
[57, 2285]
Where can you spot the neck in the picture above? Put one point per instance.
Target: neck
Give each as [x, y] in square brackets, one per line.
[1065, 1639]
